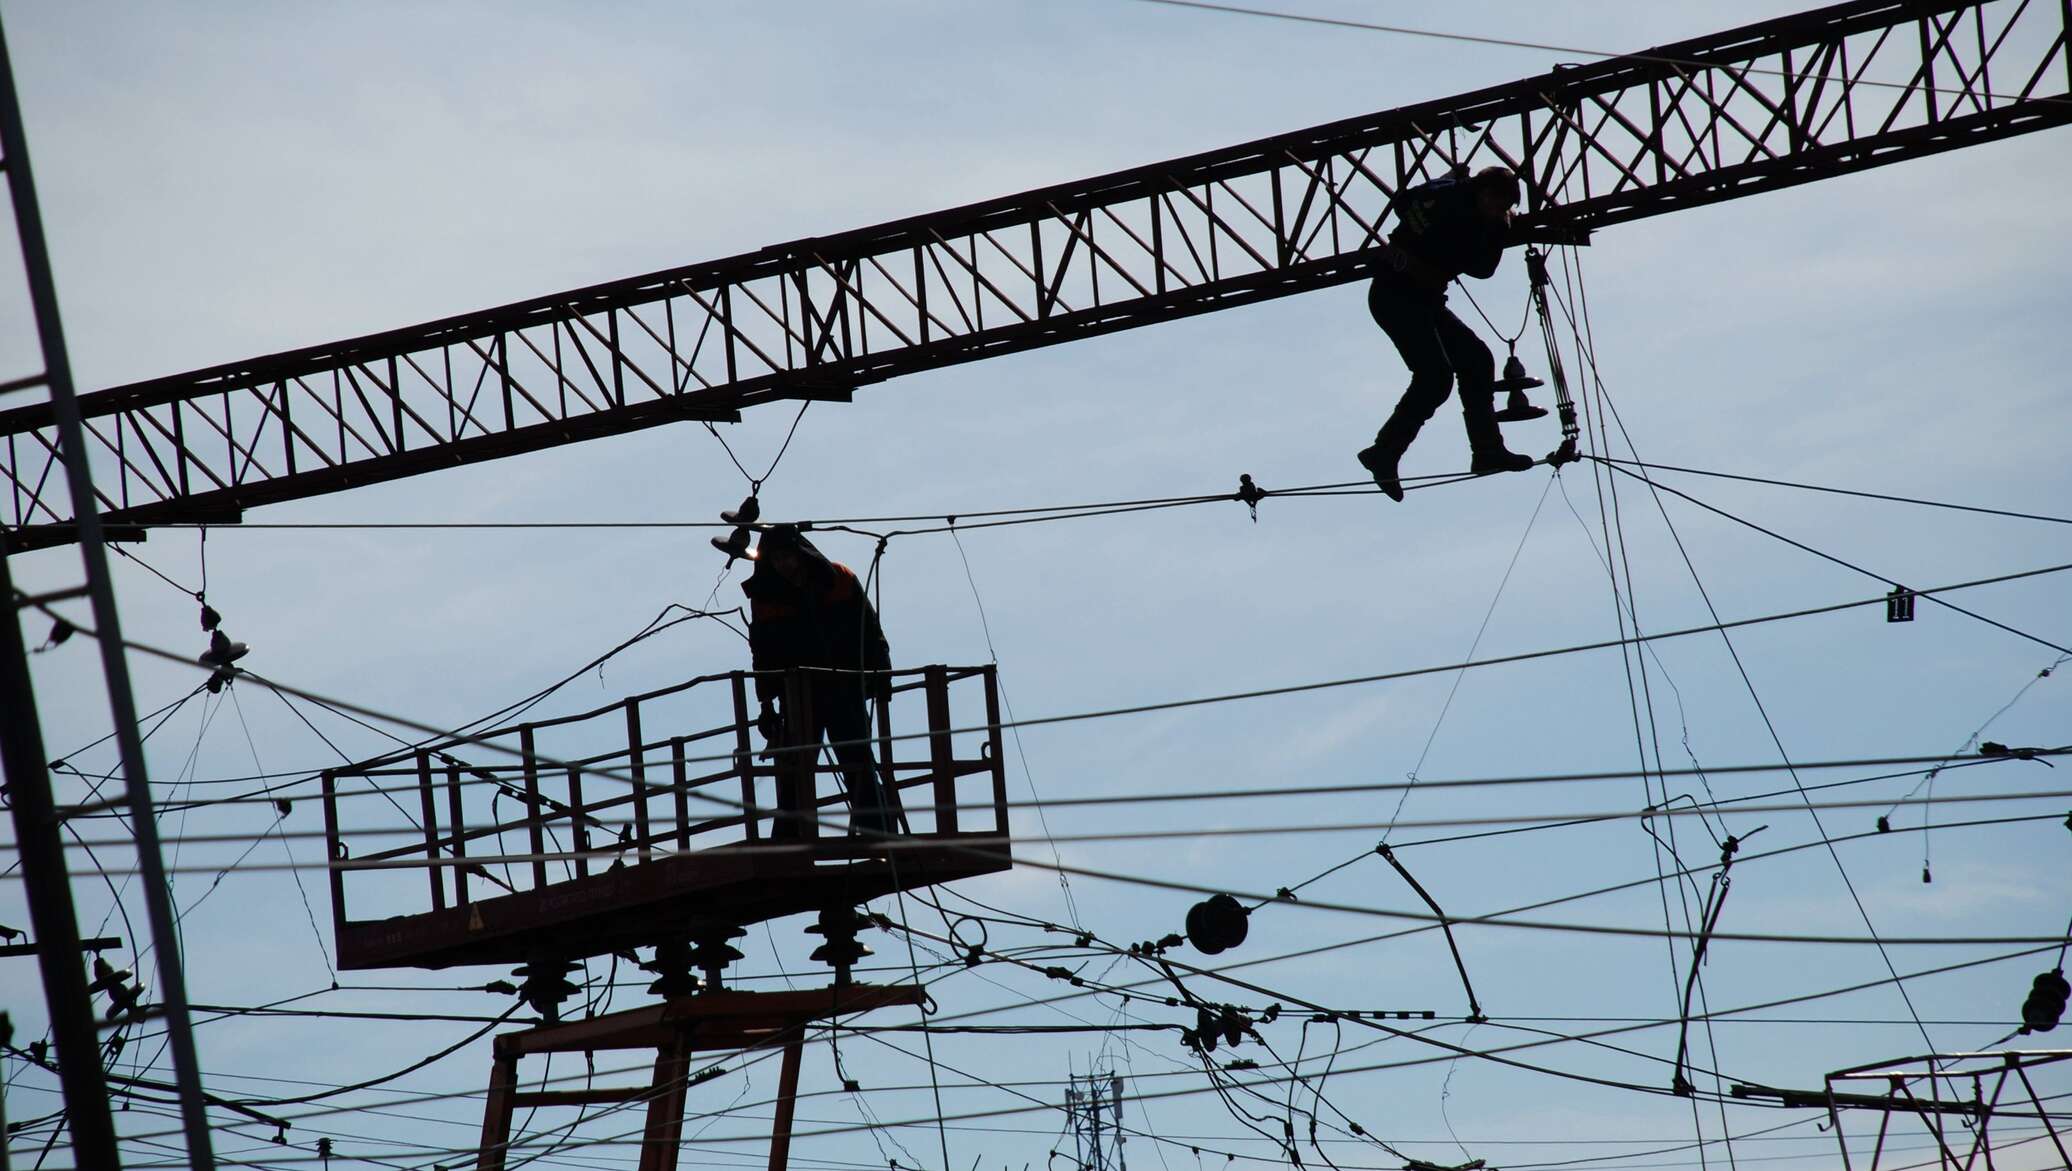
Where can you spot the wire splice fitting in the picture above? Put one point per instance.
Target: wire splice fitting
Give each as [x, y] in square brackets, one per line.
[1251, 494]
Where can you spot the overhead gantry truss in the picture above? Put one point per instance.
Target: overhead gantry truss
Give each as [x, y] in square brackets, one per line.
[1771, 105]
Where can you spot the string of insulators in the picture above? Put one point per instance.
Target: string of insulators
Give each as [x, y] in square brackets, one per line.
[123, 996]
[743, 518]
[222, 652]
[544, 984]
[838, 926]
[2046, 1003]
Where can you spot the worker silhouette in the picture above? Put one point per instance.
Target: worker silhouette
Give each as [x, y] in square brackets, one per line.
[807, 611]
[1449, 227]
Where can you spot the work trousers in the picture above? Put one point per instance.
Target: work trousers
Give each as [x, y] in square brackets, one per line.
[842, 716]
[1440, 350]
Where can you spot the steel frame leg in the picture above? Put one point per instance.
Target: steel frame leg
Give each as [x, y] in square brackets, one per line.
[787, 1097]
[496, 1114]
[659, 1142]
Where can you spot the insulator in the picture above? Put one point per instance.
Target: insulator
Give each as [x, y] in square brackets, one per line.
[2046, 1003]
[839, 925]
[222, 651]
[1518, 409]
[841, 954]
[672, 966]
[1515, 379]
[106, 976]
[544, 984]
[1234, 1025]
[1217, 924]
[750, 511]
[714, 953]
[122, 995]
[734, 544]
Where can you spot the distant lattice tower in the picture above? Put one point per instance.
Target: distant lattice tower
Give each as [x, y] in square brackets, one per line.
[1093, 1103]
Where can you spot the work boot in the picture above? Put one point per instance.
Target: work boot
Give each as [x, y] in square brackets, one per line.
[1498, 459]
[1382, 464]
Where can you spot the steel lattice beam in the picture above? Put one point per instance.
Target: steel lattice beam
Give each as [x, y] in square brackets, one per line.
[1770, 105]
[1977, 1088]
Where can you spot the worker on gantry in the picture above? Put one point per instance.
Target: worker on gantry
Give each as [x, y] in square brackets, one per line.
[1448, 227]
[807, 611]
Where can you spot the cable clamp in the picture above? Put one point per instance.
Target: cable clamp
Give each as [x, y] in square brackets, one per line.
[1251, 494]
[1994, 748]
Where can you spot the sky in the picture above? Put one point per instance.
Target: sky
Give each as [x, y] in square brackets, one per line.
[229, 180]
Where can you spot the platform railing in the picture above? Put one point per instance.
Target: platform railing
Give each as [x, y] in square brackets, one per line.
[605, 788]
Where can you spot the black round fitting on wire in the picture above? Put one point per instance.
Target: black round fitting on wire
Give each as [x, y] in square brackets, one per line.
[1217, 924]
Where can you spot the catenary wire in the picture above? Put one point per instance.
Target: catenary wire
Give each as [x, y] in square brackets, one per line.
[1745, 522]
[1511, 43]
[1604, 400]
[1198, 701]
[613, 850]
[1776, 483]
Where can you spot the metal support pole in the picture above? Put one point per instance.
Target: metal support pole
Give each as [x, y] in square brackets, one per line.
[50, 901]
[661, 1139]
[787, 1099]
[172, 983]
[4, 1164]
[496, 1113]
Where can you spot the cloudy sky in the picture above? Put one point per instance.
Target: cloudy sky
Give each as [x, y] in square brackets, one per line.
[226, 180]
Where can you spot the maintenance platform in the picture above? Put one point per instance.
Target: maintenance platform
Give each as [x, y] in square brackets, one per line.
[589, 834]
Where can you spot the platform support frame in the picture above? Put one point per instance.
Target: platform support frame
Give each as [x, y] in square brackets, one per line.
[725, 1020]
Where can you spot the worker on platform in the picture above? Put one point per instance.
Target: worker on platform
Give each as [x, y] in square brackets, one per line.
[807, 611]
[1449, 227]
